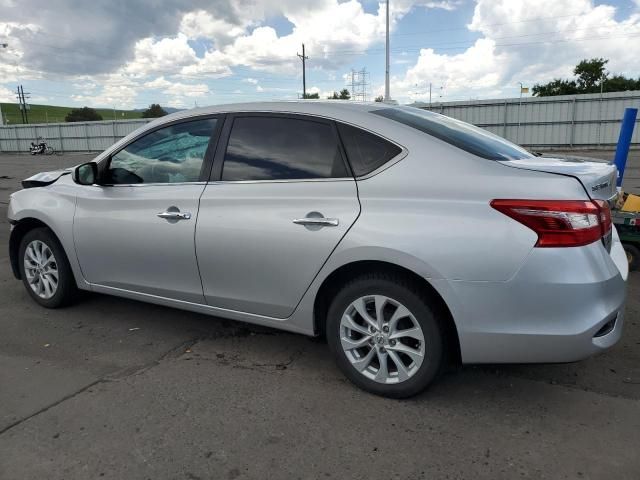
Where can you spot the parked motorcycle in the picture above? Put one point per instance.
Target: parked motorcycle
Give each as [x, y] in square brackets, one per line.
[40, 147]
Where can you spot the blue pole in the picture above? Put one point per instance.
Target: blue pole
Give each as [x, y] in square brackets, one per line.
[624, 141]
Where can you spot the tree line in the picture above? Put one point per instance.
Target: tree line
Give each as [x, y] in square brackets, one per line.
[590, 77]
[88, 114]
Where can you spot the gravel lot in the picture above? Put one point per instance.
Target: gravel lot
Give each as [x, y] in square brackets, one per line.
[111, 388]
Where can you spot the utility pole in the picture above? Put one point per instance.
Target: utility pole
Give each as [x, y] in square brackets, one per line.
[303, 57]
[387, 94]
[23, 103]
[602, 79]
[2, 45]
[353, 84]
[21, 106]
[519, 107]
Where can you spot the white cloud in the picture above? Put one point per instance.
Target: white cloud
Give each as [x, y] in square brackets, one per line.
[6, 95]
[166, 56]
[522, 50]
[11, 65]
[177, 88]
[234, 34]
[328, 28]
[179, 94]
[202, 24]
[117, 91]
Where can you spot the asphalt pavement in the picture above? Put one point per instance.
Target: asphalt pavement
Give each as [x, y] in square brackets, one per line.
[112, 388]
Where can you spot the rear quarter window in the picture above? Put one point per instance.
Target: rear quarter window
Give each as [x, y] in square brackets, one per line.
[459, 134]
[366, 152]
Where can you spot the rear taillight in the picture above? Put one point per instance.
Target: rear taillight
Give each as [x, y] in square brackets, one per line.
[605, 215]
[560, 223]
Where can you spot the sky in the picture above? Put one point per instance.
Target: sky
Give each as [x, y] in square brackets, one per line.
[185, 53]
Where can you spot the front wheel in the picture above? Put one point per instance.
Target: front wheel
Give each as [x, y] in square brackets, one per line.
[45, 270]
[385, 336]
[48, 151]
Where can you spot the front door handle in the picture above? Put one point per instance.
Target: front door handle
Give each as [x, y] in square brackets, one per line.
[168, 215]
[317, 221]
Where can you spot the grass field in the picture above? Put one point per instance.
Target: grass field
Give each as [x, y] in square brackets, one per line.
[52, 114]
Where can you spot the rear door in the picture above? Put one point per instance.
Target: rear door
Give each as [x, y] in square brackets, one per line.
[280, 200]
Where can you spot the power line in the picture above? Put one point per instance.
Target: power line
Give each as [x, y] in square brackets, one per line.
[467, 45]
[526, 20]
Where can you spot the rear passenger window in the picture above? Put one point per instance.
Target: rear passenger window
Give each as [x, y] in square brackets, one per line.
[365, 151]
[280, 148]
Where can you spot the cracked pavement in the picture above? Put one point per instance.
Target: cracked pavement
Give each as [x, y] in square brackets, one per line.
[112, 388]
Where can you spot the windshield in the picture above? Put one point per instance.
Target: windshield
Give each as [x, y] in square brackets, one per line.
[459, 134]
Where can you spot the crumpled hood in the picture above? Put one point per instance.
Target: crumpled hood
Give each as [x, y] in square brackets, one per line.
[45, 178]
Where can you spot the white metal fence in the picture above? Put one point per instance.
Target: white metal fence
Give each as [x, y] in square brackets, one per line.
[68, 137]
[569, 121]
[566, 121]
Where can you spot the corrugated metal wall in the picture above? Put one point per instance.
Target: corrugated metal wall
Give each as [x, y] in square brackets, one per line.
[570, 121]
[67, 137]
[566, 121]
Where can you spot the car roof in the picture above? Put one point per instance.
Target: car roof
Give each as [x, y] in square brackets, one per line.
[338, 109]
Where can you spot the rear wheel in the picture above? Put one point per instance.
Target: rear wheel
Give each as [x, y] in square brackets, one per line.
[633, 256]
[45, 270]
[384, 335]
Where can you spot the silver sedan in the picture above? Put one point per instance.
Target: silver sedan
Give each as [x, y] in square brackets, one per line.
[408, 239]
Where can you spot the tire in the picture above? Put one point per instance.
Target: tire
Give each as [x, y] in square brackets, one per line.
[48, 151]
[65, 290]
[633, 256]
[393, 291]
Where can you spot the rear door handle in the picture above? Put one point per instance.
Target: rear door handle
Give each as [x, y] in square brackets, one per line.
[175, 215]
[317, 221]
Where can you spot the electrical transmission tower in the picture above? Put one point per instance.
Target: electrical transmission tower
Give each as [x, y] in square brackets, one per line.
[359, 85]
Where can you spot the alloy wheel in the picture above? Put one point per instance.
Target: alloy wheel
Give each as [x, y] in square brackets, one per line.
[41, 269]
[382, 339]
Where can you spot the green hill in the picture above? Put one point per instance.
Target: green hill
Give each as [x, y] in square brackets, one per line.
[53, 114]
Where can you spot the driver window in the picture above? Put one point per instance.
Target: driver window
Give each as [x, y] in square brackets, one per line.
[172, 154]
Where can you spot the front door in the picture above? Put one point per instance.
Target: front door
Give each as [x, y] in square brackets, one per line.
[279, 204]
[136, 231]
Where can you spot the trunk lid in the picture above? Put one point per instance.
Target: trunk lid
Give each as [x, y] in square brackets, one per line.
[597, 177]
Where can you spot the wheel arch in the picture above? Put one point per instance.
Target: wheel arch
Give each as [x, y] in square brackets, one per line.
[333, 282]
[20, 229]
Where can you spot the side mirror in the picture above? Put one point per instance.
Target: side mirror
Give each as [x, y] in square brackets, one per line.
[86, 174]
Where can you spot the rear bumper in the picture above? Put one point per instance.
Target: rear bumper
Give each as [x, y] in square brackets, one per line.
[563, 305]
